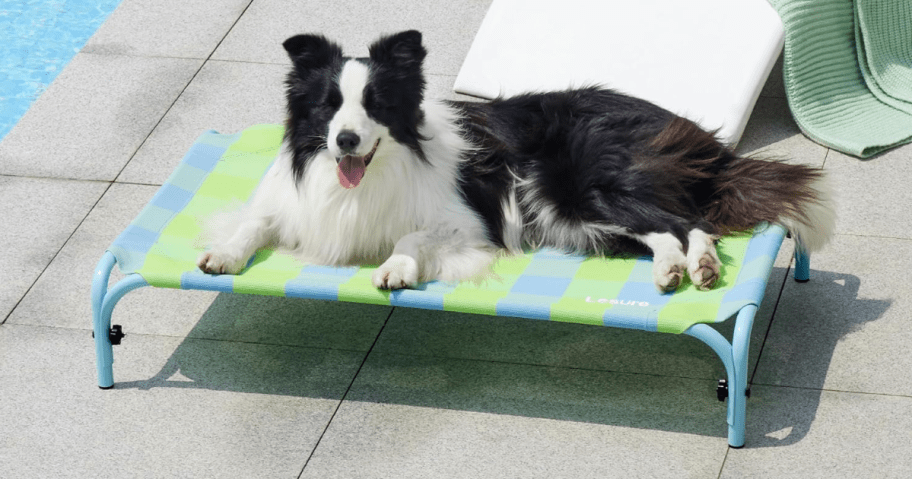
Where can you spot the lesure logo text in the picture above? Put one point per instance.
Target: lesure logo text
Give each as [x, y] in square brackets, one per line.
[620, 302]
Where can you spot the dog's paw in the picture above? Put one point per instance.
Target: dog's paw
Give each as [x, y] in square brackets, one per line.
[703, 263]
[216, 262]
[705, 272]
[398, 272]
[668, 270]
[667, 275]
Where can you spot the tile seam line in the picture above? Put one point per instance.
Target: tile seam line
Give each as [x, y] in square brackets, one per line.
[143, 55]
[56, 253]
[354, 378]
[192, 338]
[857, 235]
[81, 180]
[189, 57]
[53, 178]
[830, 390]
[426, 72]
[789, 269]
[546, 366]
[724, 460]
[183, 90]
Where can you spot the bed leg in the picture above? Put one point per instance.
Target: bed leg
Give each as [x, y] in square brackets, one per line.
[737, 395]
[802, 265]
[734, 358]
[104, 354]
[103, 301]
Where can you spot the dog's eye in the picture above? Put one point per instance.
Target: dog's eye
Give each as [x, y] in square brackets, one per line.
[384, 107]
[333, 100]
[378, 104]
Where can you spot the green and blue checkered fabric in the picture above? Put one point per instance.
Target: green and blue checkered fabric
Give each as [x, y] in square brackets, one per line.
[161, 246]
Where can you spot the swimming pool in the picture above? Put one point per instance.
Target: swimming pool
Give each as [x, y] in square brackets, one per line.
[40, 37]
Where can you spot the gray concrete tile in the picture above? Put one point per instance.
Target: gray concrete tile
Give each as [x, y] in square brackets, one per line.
[873, 195]
[292, 321]
[39, 216]
[225, 96]
[441, 87]
[180, 408]
[448, 26]
[848, 328]
[799, 433]
[60, 297]
[771, 132]
[429, 417]
[775, 83]
[513, 340]
[168, 28]
[94, 116]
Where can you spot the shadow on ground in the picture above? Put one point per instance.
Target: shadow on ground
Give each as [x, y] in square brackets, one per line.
[290, 363]
[816, 316]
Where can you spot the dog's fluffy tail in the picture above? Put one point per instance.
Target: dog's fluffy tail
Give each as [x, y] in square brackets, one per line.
[798, 197]
[736, 193]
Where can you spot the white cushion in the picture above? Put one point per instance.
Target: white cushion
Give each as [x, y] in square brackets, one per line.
[706, 60]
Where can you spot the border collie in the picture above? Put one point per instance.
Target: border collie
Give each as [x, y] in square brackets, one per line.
[371, 172]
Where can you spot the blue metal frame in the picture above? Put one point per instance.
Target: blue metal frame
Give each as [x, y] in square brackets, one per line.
[802, 264]
[103, 301]
[733, 355]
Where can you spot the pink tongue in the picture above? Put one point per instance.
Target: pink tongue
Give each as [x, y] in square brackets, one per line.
[350, 171]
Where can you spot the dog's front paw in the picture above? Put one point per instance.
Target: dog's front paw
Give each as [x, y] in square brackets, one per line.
[398, 272]
[220, 262]
[668, 272]
[667, 277]
[705, 272]
[703, 263]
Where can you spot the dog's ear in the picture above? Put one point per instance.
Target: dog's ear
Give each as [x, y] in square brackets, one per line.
[402, 49]
[311, 51]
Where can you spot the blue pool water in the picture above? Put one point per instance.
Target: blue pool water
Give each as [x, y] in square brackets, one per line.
[37, 39]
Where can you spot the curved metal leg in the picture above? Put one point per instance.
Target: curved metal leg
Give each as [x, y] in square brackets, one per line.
[734, 357]
[103, 301]
[737, 395]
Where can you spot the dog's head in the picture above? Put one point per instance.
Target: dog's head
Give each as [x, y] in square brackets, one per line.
[355, 108]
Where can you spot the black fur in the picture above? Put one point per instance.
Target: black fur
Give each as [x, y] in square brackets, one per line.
[588, 152]
[602, 157]
[393, 95]
[313, 97]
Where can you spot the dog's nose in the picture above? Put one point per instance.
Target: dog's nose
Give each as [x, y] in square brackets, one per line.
[347, 140]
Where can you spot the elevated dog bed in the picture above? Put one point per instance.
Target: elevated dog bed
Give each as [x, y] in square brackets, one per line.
[705, 60]
[160, 248]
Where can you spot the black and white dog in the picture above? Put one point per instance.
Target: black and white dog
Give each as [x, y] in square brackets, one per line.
[371, 172]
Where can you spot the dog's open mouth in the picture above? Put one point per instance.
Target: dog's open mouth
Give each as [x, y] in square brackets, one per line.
[351, 168]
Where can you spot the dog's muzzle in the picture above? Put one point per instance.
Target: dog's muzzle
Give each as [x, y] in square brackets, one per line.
[351, 168]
